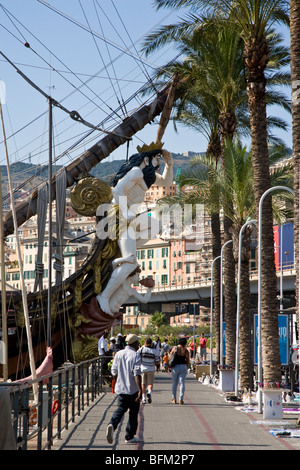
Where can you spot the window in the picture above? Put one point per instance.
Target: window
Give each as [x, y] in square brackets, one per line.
[164, 279]
[164, 263]
[150, 265]
[150, 254]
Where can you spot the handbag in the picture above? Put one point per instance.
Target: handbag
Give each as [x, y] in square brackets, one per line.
[173, 357]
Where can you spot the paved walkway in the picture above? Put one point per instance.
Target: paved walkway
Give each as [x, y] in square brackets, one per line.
[205, 422]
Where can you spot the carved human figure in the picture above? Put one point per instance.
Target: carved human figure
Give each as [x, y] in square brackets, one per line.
[125, 290]
[130, 185]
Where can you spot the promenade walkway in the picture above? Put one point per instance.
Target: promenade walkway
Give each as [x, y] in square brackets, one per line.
[205, 422]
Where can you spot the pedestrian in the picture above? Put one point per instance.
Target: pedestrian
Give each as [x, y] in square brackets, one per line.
[165, 348]
[102, 344]
[179, 370]
[149, 359]
[157, 346]
[120, 343]
[112, 346]
[126, 370]
[203, 342]
[193, 348]
[165, 362]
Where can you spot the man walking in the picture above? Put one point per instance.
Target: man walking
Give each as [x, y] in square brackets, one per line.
[149, 359]
[102, 344]
[126, 370]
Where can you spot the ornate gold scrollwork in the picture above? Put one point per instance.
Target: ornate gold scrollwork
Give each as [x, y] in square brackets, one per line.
[88, 194]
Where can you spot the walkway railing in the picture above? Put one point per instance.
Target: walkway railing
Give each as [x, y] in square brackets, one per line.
[62, 396]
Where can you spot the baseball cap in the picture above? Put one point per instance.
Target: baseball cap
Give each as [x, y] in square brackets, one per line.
[131, 338]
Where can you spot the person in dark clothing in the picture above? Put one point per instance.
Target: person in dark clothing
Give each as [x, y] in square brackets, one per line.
[120, 343]
[179, 370]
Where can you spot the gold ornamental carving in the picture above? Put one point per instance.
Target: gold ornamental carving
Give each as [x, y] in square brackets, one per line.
[88, 194]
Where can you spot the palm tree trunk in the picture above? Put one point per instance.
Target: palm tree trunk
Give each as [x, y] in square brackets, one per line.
[229, 295]
[295, 76]
[228, 123]
[214, 149]
[216, 250]
[245, 349]
[260, 161]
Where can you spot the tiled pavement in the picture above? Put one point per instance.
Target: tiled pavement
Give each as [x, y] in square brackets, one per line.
[205, 422]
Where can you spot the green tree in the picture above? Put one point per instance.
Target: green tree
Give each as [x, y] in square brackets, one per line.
[295, 79]
[158, 319]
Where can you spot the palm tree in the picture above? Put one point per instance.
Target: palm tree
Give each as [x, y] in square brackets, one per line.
[158, 319]
[207, 180]
[295, 78]
[253, 20]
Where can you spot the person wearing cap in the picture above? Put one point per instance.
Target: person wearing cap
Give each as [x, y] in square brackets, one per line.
[112, 345]
[126, 370]
[120, 344]
[149, 359]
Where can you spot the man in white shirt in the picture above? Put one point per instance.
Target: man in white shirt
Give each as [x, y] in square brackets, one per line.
[126, 369]
[149, 359]
[102, 344]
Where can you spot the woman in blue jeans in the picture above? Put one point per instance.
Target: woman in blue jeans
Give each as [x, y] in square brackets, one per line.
[179, 370]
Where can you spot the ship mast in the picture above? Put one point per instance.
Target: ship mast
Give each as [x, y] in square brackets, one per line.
[3, 290]
[23, 287]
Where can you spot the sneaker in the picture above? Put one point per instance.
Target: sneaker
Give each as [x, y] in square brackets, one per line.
[110, 434]
[181, 402]
[134, 440]
[149, 398]
[173, 400]
[144, 402]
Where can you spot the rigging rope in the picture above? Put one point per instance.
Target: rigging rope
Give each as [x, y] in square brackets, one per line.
[27, 45]
[73, 114]
[41, 221]
[61, 184]
[111, 43]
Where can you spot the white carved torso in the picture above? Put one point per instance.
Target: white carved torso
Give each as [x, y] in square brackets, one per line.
[132, 186]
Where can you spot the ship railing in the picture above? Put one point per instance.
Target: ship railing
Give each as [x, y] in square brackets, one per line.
[62, 396]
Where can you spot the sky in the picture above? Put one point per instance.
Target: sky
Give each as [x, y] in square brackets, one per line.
[93, 74]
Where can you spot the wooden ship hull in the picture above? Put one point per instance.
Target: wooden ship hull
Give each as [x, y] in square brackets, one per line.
[68, 339]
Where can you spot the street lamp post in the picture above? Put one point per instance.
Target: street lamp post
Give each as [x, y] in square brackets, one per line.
[238, 305]
[259, 360]
[211, 310]
[221, 304]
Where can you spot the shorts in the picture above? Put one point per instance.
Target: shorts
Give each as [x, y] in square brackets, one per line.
[148, 377]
